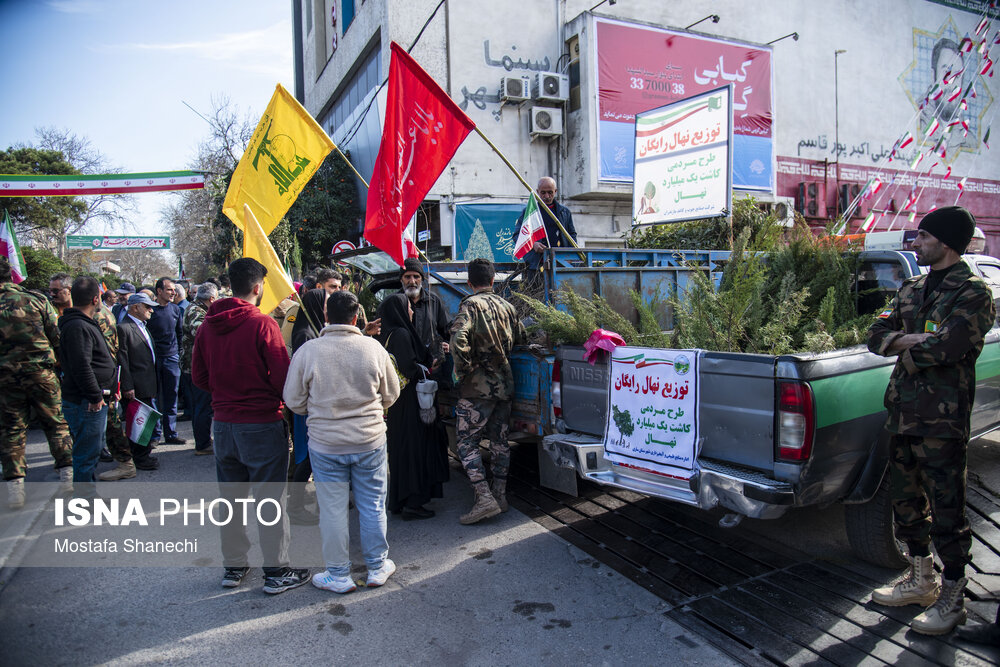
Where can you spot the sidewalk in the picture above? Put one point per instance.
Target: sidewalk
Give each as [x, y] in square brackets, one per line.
[504, 592]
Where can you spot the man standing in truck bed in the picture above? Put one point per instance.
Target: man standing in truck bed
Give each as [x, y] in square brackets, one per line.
[936, 325]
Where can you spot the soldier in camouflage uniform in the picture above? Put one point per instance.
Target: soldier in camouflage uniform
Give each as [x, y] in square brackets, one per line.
[201, 400]
[29, 338]
[936, 325]
[483, 334]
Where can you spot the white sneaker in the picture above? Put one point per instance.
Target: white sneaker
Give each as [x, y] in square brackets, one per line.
[378, 577]
[328, 582]
[66, 479]
[15, 493]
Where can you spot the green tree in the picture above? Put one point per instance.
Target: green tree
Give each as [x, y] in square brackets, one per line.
[40, 265]
[325, 212]
[38, 217]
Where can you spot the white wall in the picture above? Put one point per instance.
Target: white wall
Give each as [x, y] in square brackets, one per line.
[875, 106]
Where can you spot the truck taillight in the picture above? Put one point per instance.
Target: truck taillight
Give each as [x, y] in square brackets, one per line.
[557, 389]
[796, 422]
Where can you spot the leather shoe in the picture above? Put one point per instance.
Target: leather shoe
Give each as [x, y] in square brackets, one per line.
[147, 463]
[106, 455]
[413, 513]
[174, 440]
[983, 633]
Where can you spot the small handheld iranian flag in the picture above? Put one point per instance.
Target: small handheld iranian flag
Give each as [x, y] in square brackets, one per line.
[532, 229]
[12, 251]
[140, 420]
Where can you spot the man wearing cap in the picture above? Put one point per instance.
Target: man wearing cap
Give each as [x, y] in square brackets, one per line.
[935, 327]
[124, 291]
[430, 318]
[137, 359]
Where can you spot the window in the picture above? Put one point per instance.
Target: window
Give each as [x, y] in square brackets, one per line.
[877, 283]
[347, 13]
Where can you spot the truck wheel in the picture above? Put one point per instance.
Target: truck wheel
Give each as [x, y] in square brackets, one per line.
[871, 532]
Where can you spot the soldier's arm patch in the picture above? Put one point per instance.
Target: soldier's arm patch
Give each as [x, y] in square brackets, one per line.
[884, 314]
[931, 326]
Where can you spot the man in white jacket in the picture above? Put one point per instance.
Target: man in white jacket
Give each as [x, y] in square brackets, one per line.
[344, 381]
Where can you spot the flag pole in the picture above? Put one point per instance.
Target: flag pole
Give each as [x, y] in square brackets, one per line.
[530, 189]
[362, 179]
[341, 154]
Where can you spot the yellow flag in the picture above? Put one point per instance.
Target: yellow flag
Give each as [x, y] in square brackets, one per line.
[277, 284]
[287, 148]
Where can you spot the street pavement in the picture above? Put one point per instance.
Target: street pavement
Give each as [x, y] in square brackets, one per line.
[505, 592]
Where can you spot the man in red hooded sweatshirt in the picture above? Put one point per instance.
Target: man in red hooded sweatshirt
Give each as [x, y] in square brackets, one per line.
[240, 359]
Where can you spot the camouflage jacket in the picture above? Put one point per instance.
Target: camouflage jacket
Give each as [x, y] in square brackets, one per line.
[29, 334]
[109, 327]
[194, 315]
[933, 384]
[483, 334]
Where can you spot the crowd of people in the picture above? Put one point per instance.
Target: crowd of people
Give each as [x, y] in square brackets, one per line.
[315, 374]
[352, 394]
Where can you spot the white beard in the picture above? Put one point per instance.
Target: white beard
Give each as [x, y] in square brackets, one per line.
[412, 293]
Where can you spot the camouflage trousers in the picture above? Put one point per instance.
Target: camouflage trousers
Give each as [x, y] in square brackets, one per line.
[928, 495]
[118, 444]
[20, 392]
[476, 420]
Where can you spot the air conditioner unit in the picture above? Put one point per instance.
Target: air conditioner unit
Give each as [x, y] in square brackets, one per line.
[550, 87]
[784, 211]
[515, 88]
[546, 122]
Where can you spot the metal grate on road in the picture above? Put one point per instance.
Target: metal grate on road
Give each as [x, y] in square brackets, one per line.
[758, 601]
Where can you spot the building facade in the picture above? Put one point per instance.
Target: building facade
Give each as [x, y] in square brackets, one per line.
[881, 108]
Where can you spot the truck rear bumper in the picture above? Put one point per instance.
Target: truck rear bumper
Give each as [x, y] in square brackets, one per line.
[714, 484]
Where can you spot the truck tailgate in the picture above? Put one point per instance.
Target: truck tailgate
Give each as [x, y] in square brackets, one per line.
[584, 391]
[737, 408]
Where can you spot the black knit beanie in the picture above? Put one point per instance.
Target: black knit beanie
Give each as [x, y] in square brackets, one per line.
[413, 264]
[952, 225]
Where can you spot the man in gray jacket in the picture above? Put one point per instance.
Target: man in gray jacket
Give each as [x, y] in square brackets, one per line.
[344, 381]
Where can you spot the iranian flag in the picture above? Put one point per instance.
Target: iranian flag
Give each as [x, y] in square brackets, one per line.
[140, 419]
[12, 251]
[532, 229]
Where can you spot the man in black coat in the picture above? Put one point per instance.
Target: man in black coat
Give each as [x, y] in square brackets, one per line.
[139, 382]
[88, 380]
[547, 192]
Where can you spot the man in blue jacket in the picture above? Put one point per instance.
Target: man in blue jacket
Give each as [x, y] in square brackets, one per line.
[547, 191]
[165, 328]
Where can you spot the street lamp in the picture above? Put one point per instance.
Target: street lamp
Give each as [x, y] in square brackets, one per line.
[836, 126]
[714, 17]
[793, 35]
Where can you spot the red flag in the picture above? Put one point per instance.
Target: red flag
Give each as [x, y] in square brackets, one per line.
[423, 129]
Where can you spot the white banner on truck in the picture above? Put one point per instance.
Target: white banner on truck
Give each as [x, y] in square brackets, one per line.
[653, 410]
[683, 159]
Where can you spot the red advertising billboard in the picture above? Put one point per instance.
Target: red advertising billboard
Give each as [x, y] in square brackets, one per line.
[641, 68]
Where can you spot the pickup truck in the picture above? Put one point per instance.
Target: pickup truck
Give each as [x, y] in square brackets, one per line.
[612, 273]
[778, 432]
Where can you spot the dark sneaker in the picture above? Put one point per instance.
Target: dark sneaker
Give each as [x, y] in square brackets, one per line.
[174, 440]
[234, 576]
[288, 579]
[105, 456]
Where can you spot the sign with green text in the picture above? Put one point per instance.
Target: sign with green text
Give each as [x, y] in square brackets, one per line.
[118, 242]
